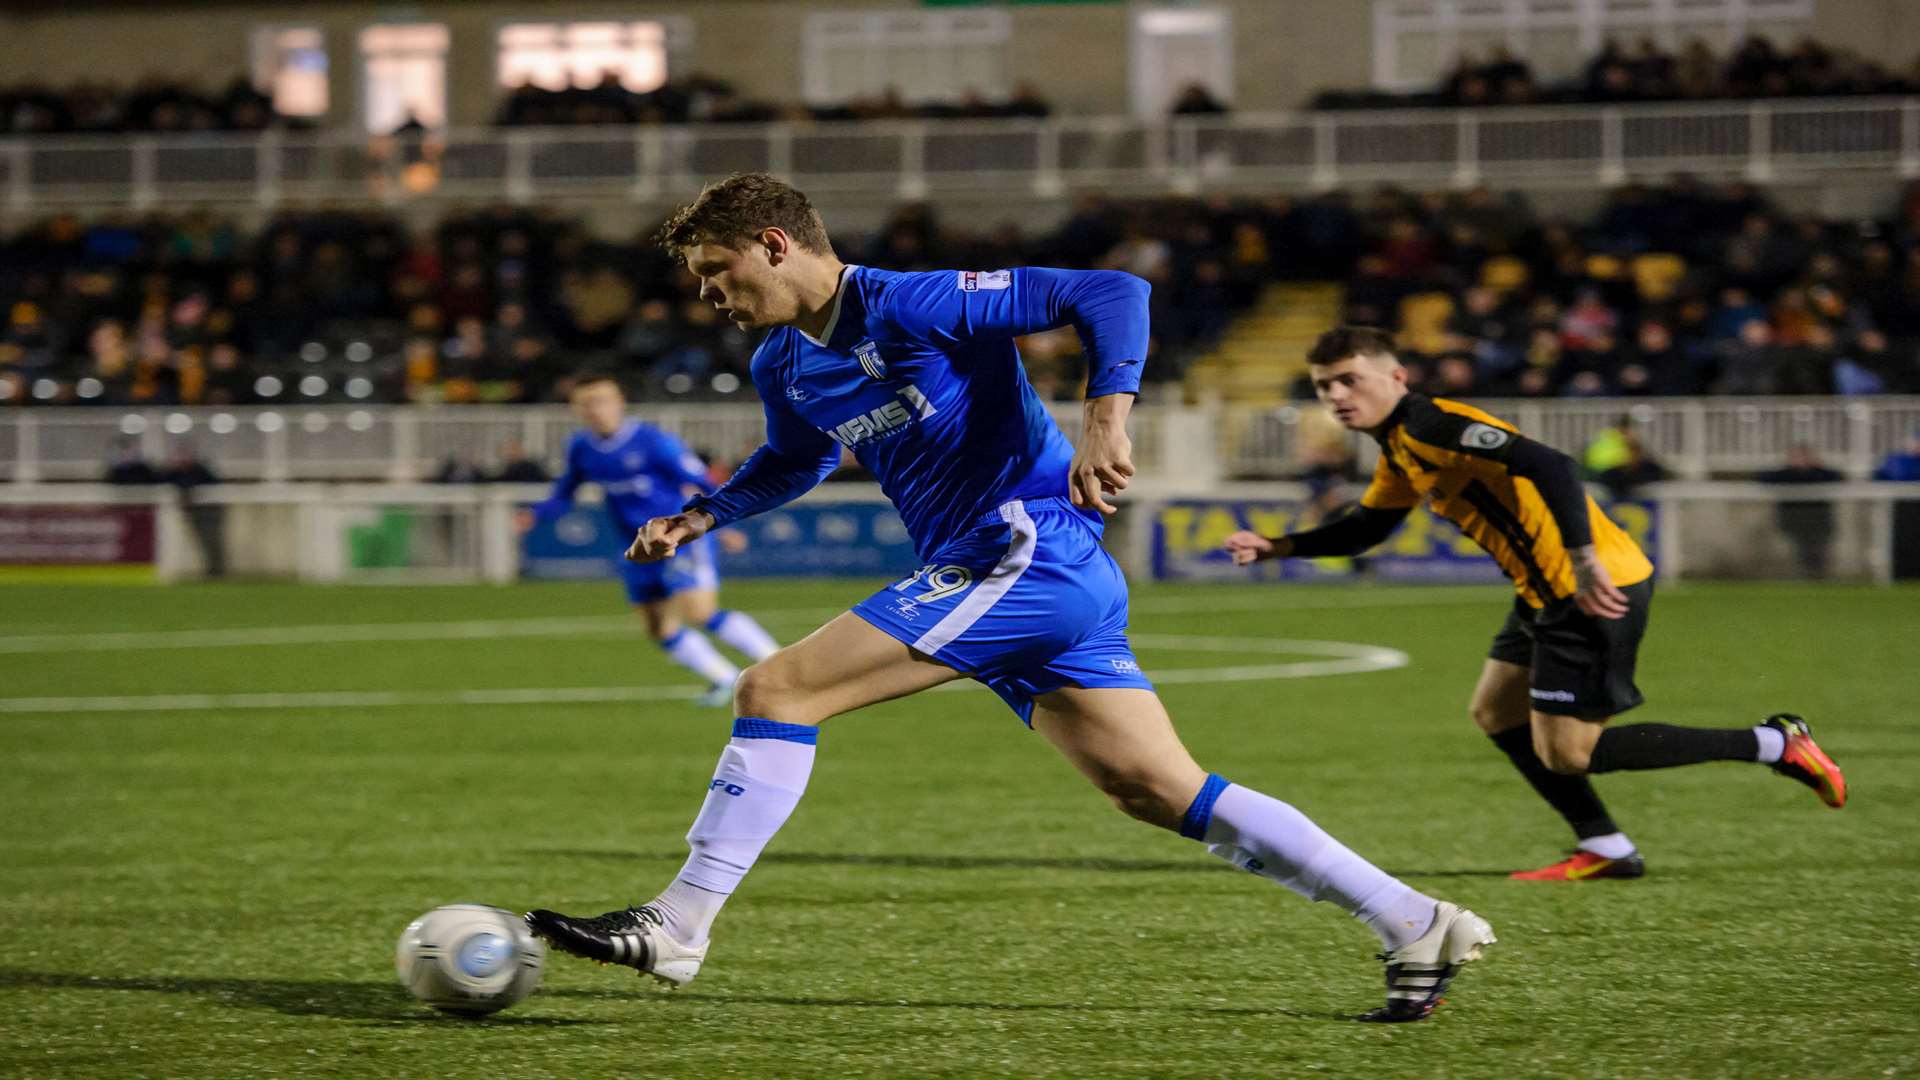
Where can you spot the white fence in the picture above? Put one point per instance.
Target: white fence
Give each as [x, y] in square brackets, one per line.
[1697, 438]
[1585, 144]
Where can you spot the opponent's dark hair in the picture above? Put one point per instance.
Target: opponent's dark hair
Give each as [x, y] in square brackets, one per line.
[734, 210]
[1343, 342]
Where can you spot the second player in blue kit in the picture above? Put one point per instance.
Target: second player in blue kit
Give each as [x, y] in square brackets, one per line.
[643, 472]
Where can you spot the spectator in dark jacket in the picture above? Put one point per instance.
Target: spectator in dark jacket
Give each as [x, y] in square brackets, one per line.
[1808, 523]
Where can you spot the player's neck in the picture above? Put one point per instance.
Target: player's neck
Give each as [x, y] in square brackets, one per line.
[816, 285]
[1393, 414]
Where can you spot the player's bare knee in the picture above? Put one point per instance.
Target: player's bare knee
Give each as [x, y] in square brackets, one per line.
[1141, 799]
[772, 690]
[661, 624]
[1491, 719]
[1562, 751]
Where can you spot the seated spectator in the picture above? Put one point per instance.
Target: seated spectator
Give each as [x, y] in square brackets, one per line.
[1807, 523]
[129, 465]
[1197, 100]
[459, 467]
[516, 467]
[1903, 464]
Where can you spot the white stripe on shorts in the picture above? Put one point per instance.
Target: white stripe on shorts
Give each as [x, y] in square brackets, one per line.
[1019, 556]
[706, 575]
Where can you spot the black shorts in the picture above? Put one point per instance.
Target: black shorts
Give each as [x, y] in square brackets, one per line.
[1579, 665]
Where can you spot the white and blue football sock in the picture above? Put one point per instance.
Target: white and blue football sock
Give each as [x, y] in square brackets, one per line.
[691, 649]
[1267, 837]
[738, 629]
[760, 778]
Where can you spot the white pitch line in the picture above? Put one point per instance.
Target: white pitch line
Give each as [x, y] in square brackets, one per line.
[592, 625]
[1343, 658]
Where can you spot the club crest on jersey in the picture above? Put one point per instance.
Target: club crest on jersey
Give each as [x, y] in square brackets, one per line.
[794, 393]
[868, 354]
[984, 280]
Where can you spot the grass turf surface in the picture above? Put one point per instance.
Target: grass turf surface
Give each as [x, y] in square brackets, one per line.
[215, 891]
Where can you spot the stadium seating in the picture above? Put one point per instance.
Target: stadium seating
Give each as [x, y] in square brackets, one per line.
[1685, 289]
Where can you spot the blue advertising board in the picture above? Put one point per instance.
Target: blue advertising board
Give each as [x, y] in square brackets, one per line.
[1188, 534]
[807, 539]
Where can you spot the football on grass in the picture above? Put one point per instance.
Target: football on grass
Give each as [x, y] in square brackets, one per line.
[469, 959]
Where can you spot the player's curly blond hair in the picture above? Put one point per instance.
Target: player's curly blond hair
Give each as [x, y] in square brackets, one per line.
[735, 209]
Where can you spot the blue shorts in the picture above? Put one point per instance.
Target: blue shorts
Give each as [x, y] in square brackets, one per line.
[692, 567]
[1028, 602]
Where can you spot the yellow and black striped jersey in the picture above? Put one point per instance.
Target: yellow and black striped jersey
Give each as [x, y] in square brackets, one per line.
[1456, 457]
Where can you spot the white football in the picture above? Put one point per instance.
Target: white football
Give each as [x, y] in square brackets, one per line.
[469, 958]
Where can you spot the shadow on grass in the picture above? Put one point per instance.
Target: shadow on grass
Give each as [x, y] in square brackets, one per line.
[983, 862]
[388, 1004]
[1090, 1008]
[380, 1001]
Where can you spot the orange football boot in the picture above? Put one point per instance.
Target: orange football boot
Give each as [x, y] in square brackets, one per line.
[1585, 866]
[1804, 761]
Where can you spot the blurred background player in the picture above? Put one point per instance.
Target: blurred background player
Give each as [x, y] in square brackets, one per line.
[918, 374]
[644, 473]
[1563, 664]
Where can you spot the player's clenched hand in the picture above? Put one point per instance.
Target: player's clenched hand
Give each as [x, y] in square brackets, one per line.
[1594, 592]
[1103, 463]
[661, 537]
[1248, 547]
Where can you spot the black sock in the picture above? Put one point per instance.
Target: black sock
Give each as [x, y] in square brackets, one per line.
[1662, 746]
[1572, 797]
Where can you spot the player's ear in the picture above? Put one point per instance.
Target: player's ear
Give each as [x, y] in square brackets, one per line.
[775, 242]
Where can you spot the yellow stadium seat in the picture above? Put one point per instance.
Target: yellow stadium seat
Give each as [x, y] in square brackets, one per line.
[1657, 274]
[1503, 273]
[1423, 321]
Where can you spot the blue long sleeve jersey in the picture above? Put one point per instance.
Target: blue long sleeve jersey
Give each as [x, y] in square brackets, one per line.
[918, 376]
[643, 471]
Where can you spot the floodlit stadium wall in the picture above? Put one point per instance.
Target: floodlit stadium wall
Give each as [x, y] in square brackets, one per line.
[1281, 52]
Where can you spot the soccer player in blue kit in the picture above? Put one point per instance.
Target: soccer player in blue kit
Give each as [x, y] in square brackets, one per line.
[645, 472]
[918, 375]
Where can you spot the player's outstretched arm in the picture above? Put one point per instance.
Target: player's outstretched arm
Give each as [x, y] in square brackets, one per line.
[559, 500]
[1349, 532]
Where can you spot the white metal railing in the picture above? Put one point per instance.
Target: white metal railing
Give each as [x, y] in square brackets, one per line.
[1591, 144]
[1696, 438]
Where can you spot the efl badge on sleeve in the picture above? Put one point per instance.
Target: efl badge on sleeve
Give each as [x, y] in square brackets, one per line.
[984, 280]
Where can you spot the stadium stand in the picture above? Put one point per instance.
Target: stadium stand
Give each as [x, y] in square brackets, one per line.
[1682, 289]
[1645, 71]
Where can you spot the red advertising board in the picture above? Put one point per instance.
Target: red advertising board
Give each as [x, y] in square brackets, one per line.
[76, 535]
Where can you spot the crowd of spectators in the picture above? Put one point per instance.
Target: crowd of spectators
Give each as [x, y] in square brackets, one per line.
[704, 99]
[492, 306]
[152, 106]
[1644, 71]
[1682, 289]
